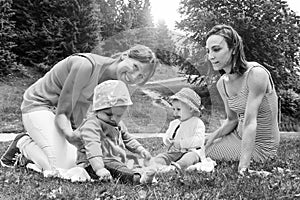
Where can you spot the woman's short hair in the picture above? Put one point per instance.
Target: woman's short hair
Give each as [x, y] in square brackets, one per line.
[235, 42]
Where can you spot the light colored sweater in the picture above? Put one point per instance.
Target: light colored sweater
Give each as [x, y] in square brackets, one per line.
[68, 87]
[190, 134]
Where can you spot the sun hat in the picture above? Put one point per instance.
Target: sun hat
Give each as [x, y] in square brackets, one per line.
[109, 94]
[189, 97]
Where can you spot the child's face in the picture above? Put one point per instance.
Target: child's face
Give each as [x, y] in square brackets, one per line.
[176, 109]
[181, 110]
[112, 115]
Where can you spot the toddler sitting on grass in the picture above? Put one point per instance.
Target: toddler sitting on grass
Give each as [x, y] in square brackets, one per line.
[185, 136]
[105, 138]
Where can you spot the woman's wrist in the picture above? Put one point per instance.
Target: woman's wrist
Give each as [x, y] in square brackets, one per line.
[242, 170]
[242, 167]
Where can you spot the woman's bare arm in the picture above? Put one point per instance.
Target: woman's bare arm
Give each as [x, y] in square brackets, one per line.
[77, 79]
[231, 119]
[258, 80]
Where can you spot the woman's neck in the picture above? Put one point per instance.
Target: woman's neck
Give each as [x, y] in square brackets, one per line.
[232, 76]
[110, 70]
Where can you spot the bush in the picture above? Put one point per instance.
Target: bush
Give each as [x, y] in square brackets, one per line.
[7, 57]
[49, 31]
[290, 109]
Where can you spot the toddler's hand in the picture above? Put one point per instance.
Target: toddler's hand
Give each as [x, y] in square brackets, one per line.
[146, 154]
[169, 142]
[177, 143]
[104, 175]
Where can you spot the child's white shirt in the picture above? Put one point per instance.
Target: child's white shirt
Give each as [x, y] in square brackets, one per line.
[190, 134]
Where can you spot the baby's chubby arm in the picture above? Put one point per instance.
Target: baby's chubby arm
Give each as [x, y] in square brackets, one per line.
[167, 138]
[132, 144]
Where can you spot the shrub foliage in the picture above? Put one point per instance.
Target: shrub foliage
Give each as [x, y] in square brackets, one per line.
[50, 30]
[39, 33]
[7, 57]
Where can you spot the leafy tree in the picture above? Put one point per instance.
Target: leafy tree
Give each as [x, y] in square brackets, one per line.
[51, 30]
[145, 17]
[270, 31]
[164, 37]
[115, 16]
[122, 41]
[132, 25]
[7, 57]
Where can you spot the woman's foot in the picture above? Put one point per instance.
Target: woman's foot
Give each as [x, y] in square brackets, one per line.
[8, 159]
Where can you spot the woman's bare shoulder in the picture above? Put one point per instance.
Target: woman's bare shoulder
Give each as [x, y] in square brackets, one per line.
[220, 81]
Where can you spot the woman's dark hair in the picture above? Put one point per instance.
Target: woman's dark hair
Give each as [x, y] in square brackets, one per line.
[235, 42]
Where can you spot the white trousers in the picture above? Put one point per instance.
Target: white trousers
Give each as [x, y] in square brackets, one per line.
[41, 128]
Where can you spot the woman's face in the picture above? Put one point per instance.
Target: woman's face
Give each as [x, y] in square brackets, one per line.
[218, 52]
[131, 71]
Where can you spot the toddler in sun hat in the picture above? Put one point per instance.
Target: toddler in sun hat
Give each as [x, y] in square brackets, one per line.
[110, 94]
[105, 138]
[185, 135]
[189, 97]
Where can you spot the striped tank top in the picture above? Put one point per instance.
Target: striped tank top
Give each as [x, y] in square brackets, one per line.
[267, 132]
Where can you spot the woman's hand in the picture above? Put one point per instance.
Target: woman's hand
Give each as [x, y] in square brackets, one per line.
[244, 171]
[63, 124]
[74, 139]
[104, 175]
[208, 141]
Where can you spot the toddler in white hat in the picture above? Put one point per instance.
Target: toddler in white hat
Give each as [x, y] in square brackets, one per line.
[106, 139]
[185, 135]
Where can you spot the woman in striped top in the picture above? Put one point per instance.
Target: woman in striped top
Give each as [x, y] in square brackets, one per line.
[250, 130]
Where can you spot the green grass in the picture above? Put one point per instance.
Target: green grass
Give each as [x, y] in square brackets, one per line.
[10, 113]
[223, 183]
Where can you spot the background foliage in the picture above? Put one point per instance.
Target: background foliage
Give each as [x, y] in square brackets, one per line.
[7, 57]
[48, 31]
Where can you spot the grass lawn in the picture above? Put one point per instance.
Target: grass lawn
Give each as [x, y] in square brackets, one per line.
[223, 183]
